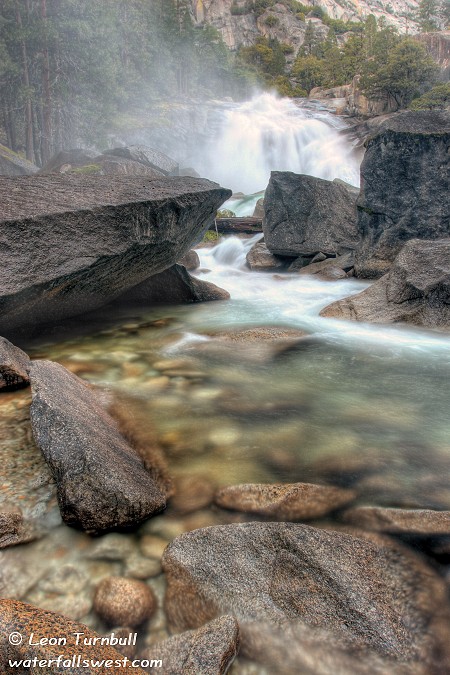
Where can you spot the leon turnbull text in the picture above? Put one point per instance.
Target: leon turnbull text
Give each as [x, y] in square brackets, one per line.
[78, 639]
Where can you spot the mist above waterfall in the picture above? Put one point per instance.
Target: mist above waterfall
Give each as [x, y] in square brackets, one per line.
[268, 134]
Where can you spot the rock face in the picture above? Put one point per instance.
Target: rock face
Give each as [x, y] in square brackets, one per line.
[367, 594]
[118, 231]
[14, 366]
[331, 268]
[101, 481]
[174, 285]
[12, 164]
[210, 650]
[416, 290]
[404, 188]
[25, 619]
[306, 215]
[284, 501]
[13, 530]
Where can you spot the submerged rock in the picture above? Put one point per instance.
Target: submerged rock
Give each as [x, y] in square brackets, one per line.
[173, 286]
[306, 215]
[367, 594]
[121, 602]
[14, 366]
[399, 521]
[416, 290]
[404, 188]
[70, 244]
[210, 650]
[33, 624]
[13, 529]
[101, 481]
[284, 501]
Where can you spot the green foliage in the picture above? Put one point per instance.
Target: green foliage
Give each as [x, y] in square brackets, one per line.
[272, 20]
[225, 213]
[70, 67]
[438, 98]
[427, 15]
[88, 169]
[309, 72]
[211, 236]
[402, 74]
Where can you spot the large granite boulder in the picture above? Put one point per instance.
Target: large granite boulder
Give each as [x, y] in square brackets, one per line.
[209, 650]
[65, 160]
[173, 286]
[366, 594]
[416, 290]
[70, 244]
[101, 480]
[12, 164]
[304, 215]
[404, 188]
[47, 642]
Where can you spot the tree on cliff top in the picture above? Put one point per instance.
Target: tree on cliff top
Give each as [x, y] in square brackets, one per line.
[406, 72]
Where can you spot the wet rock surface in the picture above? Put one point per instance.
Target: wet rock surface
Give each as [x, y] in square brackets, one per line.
[306, 215]
[210, 650]
[410, 151]
[173, 286]
[367, 594]
[14, 366]
[101, 480]
[26, 619]
[259, 258]
[143, 226]
[415, 290]
[399, 521]
[121, 601]
[295, 501]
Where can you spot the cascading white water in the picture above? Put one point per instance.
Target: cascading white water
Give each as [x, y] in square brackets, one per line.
[274, 134]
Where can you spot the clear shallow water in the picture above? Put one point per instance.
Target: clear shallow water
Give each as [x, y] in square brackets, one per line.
[360, 406]
[238, 411]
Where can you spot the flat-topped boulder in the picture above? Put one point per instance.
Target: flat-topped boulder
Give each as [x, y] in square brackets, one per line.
[415, 290]
[404, 188]
[70, 244]
[304, 215]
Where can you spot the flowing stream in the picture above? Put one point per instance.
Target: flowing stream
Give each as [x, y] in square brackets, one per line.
[259, 388]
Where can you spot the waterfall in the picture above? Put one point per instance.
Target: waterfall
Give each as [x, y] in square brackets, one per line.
[275, 134]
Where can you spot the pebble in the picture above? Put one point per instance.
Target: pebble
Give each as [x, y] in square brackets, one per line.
[140, 567]
[152, 546]
[121, 601]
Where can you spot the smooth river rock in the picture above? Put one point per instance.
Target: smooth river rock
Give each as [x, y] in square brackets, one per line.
[35, 625]
[124, 602]
[72, 243]
[259, 258]
[370, 595]
[209, 650]
[284, 501]
[404, 188]
[399, 521]
[14, 366]
[305, 215]
[416, 290]
[101, 481]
